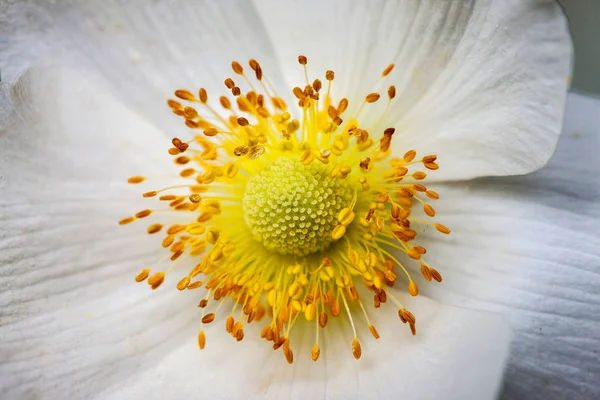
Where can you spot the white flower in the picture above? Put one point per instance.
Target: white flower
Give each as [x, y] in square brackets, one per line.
[480, 84]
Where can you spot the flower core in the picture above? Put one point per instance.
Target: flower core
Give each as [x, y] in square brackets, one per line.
[283, 214]
[291, 208]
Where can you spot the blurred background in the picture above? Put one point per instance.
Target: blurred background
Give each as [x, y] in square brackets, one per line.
[584, 22]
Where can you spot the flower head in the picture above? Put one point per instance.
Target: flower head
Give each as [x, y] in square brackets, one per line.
[480, 84]
[290, 216]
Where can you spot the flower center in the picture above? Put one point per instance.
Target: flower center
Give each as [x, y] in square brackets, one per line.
[299, 185]
[292, 208]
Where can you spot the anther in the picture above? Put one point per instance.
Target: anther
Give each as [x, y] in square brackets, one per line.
[136, 179]
[364, 163]
[374, 332]
[203, 95]
[225, 102]
[229, 83]
[185, 95]
[435, 275]
[356, 350]
[419, 175]
[154, 228]
[203, 303]
[241, 151]
[372, 97]
[174, 104]
[342, 106]
[391, 92]
[413, 289]
[258, 72]
[432, 195]
[208, 318]
[429, 210]
[230, 323]
[302, 60]
[442, 228]
[315, 352]
[142, 275]
[126, 221]
[410, 155]
[329, 75]
[387, 70]
[289, 355]
[338, 232]
[299, 93]
[317, 85]
[156, 280]
[323, 319]
[426, 272]
[201, 340]
[237, 68]
[183, 283]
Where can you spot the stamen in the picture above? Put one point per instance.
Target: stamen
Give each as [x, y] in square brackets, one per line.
[269, 194]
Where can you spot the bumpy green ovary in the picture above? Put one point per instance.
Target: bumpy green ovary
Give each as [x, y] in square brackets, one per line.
[292, 208]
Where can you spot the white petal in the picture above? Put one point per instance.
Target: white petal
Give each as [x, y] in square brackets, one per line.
[143, 51]
[75, 325]
[482, 84]
[457, 354]
[71, 313]
[530, 246]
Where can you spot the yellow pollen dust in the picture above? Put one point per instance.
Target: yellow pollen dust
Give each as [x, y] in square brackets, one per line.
[292, 215]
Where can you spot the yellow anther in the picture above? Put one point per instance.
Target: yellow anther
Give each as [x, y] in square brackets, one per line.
[315, 352]
[346, 216]
[413, 289]
[142, 275]
[201, 340]
[195, 229]
[329, 271]
[344, 171]
[310, 312]
[371, 260]
[136, 179]
[230, 170]
[212, 235]
[362, 266]
[307, 157]
[296, 305]
[338, 232]
[296, 269]
[374, 332]
[353, 256]
[377, 282]
[302, 280]
[372, 97]
[184, 283]
[323, 276]
[292, 289]
[356, 350]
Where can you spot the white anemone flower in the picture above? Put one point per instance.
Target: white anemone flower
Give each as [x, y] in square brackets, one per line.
[481, 84]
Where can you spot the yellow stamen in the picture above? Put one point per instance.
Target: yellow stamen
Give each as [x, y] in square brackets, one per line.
[286, 213]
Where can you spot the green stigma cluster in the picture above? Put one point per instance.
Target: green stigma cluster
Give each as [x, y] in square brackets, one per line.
[291, 208]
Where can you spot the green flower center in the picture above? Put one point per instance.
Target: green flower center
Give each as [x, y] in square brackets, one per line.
[291, 208]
